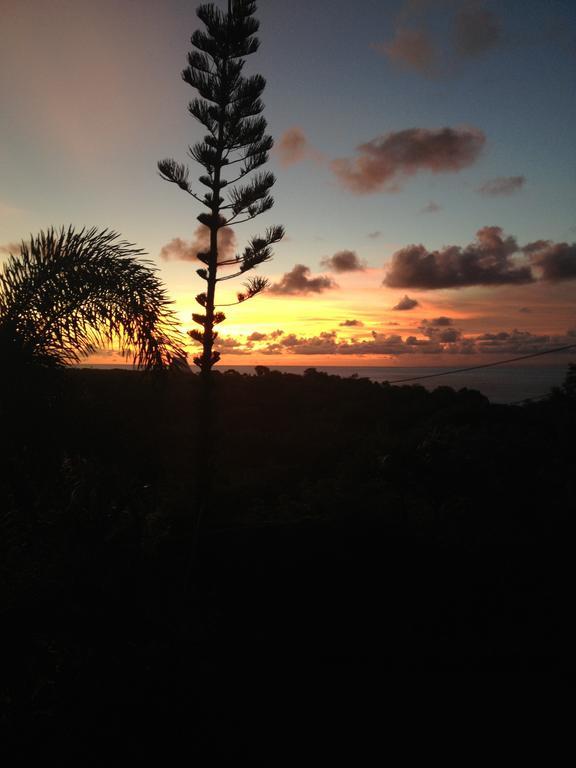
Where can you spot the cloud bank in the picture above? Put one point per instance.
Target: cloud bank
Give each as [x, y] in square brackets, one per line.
[554, 261]
[492, 259]
[487, 261]
[433, 340]
[385, 161]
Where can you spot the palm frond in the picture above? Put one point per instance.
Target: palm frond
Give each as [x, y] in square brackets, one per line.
[71, 292]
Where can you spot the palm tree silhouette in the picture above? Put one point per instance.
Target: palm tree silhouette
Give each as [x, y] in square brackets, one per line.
[69, 293]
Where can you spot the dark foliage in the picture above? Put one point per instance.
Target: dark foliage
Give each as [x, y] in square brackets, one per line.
[351, 520]
[69, 293]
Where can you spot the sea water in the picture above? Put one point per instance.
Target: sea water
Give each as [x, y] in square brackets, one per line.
[501, 384]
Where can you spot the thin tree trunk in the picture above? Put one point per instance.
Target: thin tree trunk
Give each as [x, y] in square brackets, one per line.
[211, 288]
[206, 412]
[207, 425]
[206, 440]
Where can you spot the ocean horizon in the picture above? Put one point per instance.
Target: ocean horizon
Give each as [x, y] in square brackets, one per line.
[501, 384]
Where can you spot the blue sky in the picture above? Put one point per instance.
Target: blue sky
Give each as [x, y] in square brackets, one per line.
[92, 98]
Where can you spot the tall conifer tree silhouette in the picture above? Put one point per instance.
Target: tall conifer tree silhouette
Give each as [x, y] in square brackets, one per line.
[229, 107]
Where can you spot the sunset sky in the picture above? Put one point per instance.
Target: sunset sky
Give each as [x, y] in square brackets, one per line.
[425, 162]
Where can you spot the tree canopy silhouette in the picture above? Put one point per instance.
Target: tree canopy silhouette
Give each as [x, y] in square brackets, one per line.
[229, 107]
[69, 293]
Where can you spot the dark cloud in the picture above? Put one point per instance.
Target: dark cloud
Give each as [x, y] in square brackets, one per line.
[276, 334]
[187, 250]
[446, 335]
[344, 261]
[476, 30]
[298, 283]
[352, 324]
[257, 336]
[410, 49]
[427, 346]
[386, 160]
[492, 259]
[291, 340]
[487, 261]
[516, 342]
[525, 310]
[537, 245]
[431, 207]
[375, 235]
[441, 330]
[443, 335]
[406, 303]
[555, 261]
[503, 185]
[380, 344]
[500, 336]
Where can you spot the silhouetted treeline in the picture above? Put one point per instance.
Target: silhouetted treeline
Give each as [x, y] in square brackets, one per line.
[363, 519]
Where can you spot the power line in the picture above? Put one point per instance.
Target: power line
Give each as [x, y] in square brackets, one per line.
[485, 365]
[528, 399]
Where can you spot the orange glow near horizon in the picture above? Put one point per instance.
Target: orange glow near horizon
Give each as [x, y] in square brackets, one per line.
[362, 298]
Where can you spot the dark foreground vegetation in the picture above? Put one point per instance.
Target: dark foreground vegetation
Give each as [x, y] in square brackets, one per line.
[350, 521]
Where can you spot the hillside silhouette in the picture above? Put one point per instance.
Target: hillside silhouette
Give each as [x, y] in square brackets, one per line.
[352, 522]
